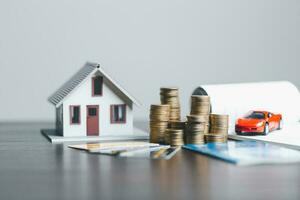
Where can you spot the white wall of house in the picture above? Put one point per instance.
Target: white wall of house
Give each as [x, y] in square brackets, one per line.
[82, 96]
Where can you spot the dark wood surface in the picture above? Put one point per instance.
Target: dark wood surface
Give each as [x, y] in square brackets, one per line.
[32, 168]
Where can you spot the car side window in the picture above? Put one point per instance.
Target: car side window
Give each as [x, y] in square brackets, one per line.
[269, 115]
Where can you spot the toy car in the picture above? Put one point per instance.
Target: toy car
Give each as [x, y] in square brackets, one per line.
[259, 122]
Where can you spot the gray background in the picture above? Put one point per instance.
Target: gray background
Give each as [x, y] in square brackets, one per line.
[143, 45]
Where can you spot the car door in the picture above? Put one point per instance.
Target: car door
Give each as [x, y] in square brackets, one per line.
[272, 121]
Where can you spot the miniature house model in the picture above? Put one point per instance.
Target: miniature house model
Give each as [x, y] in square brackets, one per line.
[92, 104]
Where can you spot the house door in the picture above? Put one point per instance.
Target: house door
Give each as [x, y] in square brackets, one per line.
[92, 121]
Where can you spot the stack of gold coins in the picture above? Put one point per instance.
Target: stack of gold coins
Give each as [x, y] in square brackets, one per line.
[174, 125]
[170, 96]
[175, 137]
[213, 138]
[167, 137]
[218, 131]
[195, 129]
[159, 117]
[200, 105]
[219, 124]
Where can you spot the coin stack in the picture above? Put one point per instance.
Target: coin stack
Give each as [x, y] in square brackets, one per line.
[200, 105]
[218, 128]
[195, 129]
[159, 117]
[174, 137]
[174, 125]
[170, 96]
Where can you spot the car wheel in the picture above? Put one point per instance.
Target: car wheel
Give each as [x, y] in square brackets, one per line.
[267, 129]
[280, 125]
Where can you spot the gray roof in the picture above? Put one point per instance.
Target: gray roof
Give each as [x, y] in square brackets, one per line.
[89, 68]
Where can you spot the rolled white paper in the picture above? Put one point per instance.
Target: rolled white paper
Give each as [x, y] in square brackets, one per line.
[237, 99]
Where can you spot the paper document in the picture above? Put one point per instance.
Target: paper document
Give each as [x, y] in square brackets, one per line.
[288, 136]
[278, 97]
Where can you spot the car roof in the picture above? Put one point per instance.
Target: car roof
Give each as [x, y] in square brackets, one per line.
[260, 111]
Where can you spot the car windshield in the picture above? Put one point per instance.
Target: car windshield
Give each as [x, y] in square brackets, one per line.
[255, 115]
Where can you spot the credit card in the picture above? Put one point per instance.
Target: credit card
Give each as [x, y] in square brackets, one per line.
[165, 153]
[111, 145]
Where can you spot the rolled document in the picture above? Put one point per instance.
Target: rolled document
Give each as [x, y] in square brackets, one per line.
[237, 99]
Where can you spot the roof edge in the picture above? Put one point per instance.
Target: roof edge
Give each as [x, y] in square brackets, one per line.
[58, 97]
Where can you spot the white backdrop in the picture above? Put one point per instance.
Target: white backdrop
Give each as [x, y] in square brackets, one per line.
[143, 45]
[236, 100]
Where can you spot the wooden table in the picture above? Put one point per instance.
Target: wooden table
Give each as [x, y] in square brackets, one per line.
[32, 168]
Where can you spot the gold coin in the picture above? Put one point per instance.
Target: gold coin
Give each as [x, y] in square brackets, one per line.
[198, 118]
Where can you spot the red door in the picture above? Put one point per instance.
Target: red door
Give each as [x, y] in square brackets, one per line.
[92, 121]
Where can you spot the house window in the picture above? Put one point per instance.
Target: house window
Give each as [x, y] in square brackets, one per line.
[75, 114]
[92, 111]
[97, 83]
[118, 113]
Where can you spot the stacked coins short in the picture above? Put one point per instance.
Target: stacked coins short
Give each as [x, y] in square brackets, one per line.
[215, 138]
[177, 127]
[159, 117]
[174, 137]
[195, 129]
[218, 131]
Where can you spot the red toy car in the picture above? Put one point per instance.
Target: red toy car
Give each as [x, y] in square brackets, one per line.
[260, 122]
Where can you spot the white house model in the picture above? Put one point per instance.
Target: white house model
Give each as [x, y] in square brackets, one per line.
[92, 104]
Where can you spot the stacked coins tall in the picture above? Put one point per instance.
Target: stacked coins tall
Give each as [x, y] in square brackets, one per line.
[159, 117]
[218, 128]
[195, 129]
[170, 96]
[200, 106]
[175, 133]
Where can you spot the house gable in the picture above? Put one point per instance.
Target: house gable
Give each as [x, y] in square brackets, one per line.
[81, 76]
[83, 96]
[109, 92]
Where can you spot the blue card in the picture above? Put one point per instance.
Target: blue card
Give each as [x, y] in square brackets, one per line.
[247, 152]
